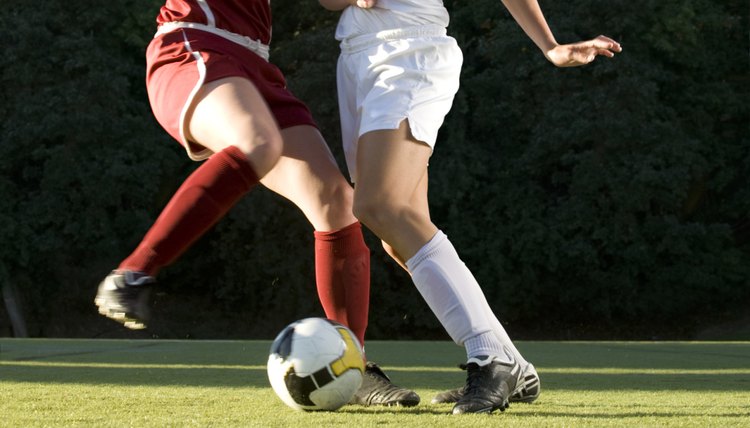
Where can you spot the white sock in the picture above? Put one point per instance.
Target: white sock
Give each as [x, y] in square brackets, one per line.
[449, 289]
[456, 299]
[487, 344]
[503, 337]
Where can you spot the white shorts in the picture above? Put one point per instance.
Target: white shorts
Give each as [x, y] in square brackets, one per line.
[386, 77]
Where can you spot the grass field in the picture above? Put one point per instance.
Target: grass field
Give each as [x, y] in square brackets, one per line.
[223, 383]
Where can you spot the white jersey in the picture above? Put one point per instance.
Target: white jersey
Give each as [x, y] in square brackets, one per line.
[391, 14]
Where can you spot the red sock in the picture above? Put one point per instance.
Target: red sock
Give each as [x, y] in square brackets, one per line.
[207, 194]
[342, 272]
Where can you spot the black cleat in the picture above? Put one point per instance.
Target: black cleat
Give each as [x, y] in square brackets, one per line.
[527, 391]
[489, 385]
[124, 297]
[377, 390]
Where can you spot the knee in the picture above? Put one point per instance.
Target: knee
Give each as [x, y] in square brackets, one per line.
[336, 199]
[340, 197]
[263, 150]
[363, 210]
[374, 212]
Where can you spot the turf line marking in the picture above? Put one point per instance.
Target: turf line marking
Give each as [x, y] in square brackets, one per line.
[70, 354]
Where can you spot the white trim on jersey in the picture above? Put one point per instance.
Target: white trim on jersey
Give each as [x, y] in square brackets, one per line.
[210, 19]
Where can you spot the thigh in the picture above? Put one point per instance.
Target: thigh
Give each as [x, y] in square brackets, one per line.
[231, 111]
[391, 164]
[307, 175]
[391, 189]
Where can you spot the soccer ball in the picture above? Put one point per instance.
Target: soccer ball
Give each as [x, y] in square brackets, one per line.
[315, 364]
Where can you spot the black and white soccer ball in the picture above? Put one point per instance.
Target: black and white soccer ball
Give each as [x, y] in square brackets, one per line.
[315, 364]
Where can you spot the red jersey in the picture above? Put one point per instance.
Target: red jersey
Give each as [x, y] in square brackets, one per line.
[251, 18]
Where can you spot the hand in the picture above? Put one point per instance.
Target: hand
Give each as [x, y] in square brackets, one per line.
[582, 53]
[364, 4]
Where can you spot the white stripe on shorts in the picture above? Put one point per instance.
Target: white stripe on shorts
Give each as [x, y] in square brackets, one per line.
[203, 154]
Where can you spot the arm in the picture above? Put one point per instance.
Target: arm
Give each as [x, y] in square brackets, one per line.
[343, 4]
[530, 18]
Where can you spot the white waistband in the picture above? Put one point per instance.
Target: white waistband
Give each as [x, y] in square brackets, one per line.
[254, 45]
[357, 43]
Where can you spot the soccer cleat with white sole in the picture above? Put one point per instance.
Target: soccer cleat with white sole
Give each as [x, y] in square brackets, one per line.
[527, 391]
[489, 385]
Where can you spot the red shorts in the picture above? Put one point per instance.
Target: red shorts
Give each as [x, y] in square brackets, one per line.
[176, 69]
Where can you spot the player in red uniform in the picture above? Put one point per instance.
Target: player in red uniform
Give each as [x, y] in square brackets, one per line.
[212, 88]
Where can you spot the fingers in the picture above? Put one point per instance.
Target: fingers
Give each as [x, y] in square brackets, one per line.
[605, 52]
[601, 45]
[604, 42]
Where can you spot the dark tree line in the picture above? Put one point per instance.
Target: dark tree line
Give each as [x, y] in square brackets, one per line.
[610, 201]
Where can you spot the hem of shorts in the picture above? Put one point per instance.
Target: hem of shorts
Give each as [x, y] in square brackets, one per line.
[384, 125]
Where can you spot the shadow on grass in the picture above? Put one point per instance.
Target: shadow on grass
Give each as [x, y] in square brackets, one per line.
[241, 364]
[635, 417]
[255, 377]
[420, 409]
[159, 376]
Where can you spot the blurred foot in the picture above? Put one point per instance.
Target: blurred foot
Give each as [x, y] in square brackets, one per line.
[124, 297]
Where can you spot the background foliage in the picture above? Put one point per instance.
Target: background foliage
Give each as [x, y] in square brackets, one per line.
[609, 201]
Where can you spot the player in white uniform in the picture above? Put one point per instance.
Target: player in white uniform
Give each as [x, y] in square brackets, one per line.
[397, 75]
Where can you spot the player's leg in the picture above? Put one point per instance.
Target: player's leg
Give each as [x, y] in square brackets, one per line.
[231, 119]
[308, 176]
[529, 389]
[390, 165]
[419, 200]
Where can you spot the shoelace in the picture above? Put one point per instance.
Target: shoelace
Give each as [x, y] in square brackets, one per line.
[473, 379]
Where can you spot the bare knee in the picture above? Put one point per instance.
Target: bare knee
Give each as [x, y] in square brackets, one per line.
[262, 148]
[335, 202]
[377, 214]
[400, 224]
[339, 197]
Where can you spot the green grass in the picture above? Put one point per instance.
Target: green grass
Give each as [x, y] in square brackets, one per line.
[223, 383]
